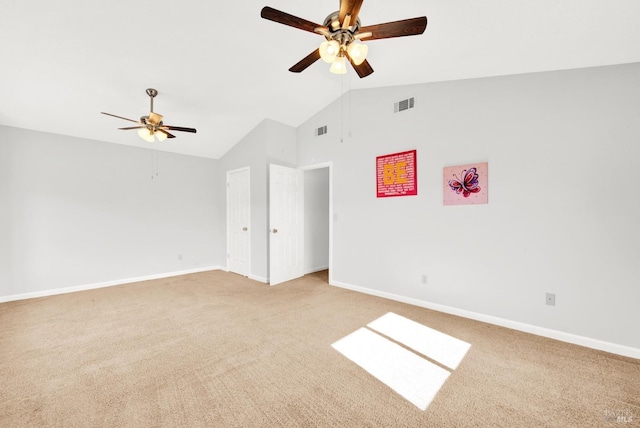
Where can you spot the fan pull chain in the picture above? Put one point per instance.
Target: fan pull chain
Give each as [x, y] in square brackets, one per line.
[349, 110]
[154, 164]
[342, 102]
[342, 108]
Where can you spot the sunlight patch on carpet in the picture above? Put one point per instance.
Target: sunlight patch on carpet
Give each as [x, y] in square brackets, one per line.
[440, 347]
[403, 370]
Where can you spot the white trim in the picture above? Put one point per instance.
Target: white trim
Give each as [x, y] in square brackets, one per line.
[320, 165]
[575, 339]
[259, 278]
[85, 287]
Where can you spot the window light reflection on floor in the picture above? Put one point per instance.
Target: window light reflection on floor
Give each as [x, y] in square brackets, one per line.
[440, 347]
[407, 372]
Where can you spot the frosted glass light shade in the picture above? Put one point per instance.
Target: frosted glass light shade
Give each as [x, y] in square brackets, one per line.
[146, 135]
[329, 50]
[339, 65]
[161, 136]
[358, 52]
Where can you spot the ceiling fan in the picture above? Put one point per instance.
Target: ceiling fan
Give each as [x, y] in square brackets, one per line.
[343, 32]
[151, 126]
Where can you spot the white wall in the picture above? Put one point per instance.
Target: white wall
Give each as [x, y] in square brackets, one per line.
[79, 212]
[316, 219]
[563, 215]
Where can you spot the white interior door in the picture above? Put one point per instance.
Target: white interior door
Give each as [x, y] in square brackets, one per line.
[286, 220]
[238, 221]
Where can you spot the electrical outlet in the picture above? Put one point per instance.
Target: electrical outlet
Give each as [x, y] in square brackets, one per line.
[551, 299]
[424, 278]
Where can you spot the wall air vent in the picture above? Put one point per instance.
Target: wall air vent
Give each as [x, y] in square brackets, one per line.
[321, 131]
[404, 105]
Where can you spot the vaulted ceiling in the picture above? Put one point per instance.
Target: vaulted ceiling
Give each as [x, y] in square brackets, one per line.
[222, 69]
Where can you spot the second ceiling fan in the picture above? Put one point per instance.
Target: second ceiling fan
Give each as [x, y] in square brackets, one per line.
[342, 32]
[151, 127]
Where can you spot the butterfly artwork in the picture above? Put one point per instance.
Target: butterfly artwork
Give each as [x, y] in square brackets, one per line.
[465, 184]
[468, 184]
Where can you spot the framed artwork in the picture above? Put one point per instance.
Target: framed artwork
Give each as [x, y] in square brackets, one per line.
[466, 184]
[397, 174]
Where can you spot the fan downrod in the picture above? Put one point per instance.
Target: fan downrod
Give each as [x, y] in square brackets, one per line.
[152, 94]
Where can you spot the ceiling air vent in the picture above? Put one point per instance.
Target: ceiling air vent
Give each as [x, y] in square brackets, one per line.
[321, 131]
[403, 105]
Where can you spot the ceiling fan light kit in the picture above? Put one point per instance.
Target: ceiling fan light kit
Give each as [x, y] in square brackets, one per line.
[152, 127]
[150, 136]
[343, 33]
[340, 39]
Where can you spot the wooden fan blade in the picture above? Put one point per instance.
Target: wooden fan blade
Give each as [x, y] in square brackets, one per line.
[363, 70]
[292, 21]
[133, 127]
[167, 134]
[120, 117]
[306, 61]
[349, 7]
[405, 27]
[177, 128]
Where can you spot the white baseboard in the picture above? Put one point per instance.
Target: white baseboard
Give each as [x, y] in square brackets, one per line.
[250, 276]
[259, 278]
[266, 280]
[53, 292]
[318, 269]
[588, 342]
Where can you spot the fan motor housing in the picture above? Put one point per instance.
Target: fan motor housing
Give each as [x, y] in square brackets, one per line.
[343, 36]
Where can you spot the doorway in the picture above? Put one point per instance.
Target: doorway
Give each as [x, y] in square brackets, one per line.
[318, 220]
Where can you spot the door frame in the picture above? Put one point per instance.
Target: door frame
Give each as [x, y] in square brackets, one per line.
[248, 169]
[329, 165]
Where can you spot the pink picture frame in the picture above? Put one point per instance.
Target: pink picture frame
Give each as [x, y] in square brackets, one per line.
[466, 184]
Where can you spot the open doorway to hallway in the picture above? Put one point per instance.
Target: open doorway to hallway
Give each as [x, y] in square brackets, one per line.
[317, 221]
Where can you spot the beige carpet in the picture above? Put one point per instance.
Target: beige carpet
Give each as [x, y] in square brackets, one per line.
[214, 349]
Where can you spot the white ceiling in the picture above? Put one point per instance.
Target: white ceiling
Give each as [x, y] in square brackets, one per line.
[222, 69]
